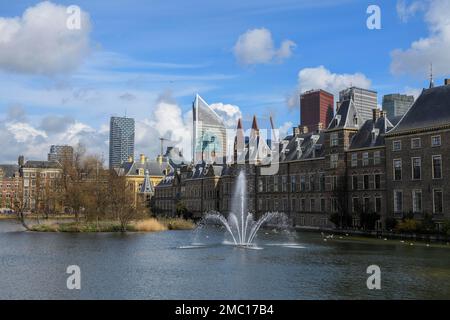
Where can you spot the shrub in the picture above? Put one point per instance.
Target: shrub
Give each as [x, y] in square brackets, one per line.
[391, 223]
[149, 225]
[446, 227]
[408, 226]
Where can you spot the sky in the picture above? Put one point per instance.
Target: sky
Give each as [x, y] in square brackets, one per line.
[148, 59]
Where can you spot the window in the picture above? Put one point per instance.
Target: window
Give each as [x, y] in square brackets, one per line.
[438, 201]
[355, 182]
[398, 201]
[302, 183]
[435, 141]
[397, 145]
[275, 183]
[417, 200]
[366, 182]
[293, 184]
[355, 204]
[416, 168]
[284, 184]
[260, 185]
[366, 204]
[377, 204]
[302, 204]
[322, 204]
[397, 169]
[376, 157]
[334, 205]
[437, 166]
[365, 159]
[334, 160]
[416, 143]
[334, 139]
[322, 182]
[354, 160]
[377, 179]
[334, 183]
[313, 205]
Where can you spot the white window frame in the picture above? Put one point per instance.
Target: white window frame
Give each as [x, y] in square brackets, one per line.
[365, 159]
[412, 168]
[334, 139]
[442, 200]
[334, 160]
[401, 169]
[354, 161]
[432, 166]
[395, 200]
[414, 140]
[397, 143]
[376, 157]
[432, 141]
[414, 196]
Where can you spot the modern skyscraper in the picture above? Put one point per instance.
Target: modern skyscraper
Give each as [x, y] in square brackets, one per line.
[209, 141]
[397, 104]
[62, 154]
[316, 106]
[121, 140]
[364, 100]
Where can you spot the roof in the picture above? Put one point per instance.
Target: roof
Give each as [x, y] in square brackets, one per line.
[153, 167]
[147, 185]
[431, 109]
[346, 117]
[9, 170]
[302, 146]
[371, 134]
[42, 164]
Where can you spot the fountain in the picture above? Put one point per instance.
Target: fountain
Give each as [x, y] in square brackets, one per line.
[240, 223]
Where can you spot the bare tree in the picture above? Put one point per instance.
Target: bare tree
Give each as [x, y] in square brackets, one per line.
[19, 206]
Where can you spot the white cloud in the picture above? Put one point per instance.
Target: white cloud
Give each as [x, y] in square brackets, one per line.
[229, 113]
[24, 132]
[284, 130]
[256, 46]
[322, 78]
[39, 42]
[432, 49]
[406, 11]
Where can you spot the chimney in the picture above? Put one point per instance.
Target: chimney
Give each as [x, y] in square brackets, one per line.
[376, 113]
[21, 161]
[447, 82]
[319, 127]
[142, 158]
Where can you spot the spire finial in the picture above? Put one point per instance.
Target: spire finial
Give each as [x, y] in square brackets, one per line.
[431, 76]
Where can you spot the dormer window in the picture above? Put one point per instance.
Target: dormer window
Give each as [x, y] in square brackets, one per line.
[337, 119]
[355, 120]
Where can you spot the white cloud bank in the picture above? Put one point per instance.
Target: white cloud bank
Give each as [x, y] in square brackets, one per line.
[435, 48]
[256, 46]
[322, 78]
[39, 42]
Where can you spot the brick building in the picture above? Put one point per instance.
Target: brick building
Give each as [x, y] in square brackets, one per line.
[316, 106]
[354, 169]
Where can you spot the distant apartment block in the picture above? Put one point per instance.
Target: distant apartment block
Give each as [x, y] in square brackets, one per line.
[396, 105]
[316, 106]
[62, 154]
[364, 100]
[121, 141]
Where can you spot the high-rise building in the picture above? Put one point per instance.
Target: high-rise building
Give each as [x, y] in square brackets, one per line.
[121, 141]
[209, 139]
[364, 100]
[397, 104]
[62, 154]
[316, 106]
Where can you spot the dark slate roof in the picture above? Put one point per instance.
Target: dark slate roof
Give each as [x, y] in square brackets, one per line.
[42, 164]
[153, 167]
[9, 170]
[395, 120]
[167, 181]
[303, 146]
[431, 109]
[345, 117]
[363, 138]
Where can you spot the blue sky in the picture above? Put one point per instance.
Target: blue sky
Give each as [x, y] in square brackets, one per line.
[144, 57]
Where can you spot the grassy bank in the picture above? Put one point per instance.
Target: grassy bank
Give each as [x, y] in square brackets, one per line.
[146, 225]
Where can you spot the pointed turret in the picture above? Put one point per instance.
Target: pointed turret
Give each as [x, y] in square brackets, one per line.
[255, 124]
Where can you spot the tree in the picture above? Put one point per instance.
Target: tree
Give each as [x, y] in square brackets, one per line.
[121, 201]
[19, 206]
[341, 217]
